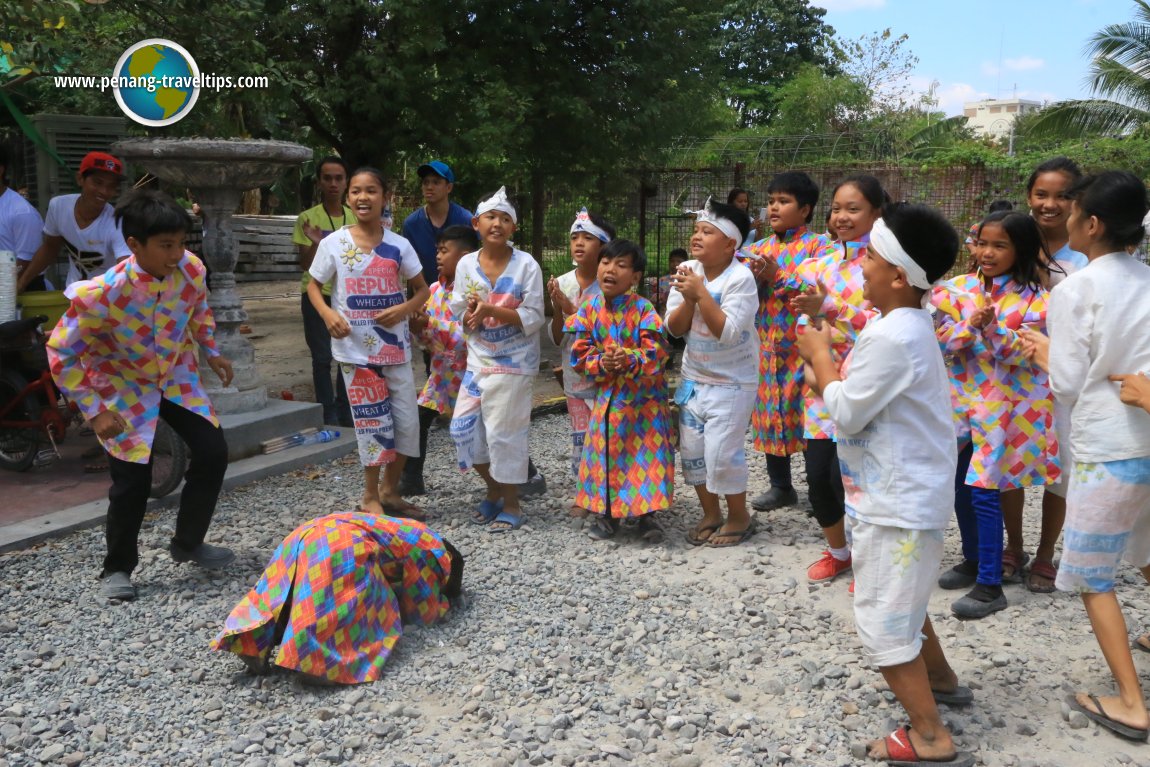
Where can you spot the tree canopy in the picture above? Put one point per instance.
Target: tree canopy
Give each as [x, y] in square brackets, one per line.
[761, 45]
[1119, 79]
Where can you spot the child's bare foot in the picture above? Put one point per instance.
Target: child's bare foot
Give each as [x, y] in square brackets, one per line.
[578, 511]
[371, 505]
[703, 531]
[395, 506]
[906, 745]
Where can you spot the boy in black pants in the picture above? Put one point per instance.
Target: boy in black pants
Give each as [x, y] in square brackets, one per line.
[122, 353]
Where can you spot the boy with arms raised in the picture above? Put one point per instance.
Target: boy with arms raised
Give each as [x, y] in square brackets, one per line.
[897, 453]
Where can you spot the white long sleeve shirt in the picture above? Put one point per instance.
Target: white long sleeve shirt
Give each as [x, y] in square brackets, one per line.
[895, 439]
[732, 359]
[1099, 324]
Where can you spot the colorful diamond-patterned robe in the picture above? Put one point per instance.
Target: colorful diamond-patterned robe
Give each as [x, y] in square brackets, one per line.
[129, 340]
[1001, 399]
[443, 339]
[627, 468]
[844, 309]
[777, 420]
[347, 583]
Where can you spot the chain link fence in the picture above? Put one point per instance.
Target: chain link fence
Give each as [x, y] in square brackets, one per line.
[653, 206]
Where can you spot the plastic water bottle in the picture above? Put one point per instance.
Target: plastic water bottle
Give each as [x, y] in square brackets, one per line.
[319, 437]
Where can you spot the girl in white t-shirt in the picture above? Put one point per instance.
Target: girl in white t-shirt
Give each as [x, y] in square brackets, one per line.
[367, 319]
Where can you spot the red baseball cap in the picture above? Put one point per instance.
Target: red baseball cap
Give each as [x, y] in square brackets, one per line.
[101, 161]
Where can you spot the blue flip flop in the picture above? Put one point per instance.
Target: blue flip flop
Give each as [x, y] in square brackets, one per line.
[487, 512]
[512, 521]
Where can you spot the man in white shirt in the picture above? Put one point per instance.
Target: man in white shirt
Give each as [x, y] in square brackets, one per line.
[83, 225]
[20, 223]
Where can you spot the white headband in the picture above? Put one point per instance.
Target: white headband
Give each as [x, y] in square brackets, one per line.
[724, 225]
[888, 247]
[583, 223]
[497, 201]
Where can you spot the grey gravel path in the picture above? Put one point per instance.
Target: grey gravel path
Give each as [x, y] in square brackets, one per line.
[566, 651]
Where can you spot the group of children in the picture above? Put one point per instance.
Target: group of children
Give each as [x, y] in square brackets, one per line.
[908, 396]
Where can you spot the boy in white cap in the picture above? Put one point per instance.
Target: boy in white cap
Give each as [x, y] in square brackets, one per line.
[713, 303]
[897, 452]
[498, 297]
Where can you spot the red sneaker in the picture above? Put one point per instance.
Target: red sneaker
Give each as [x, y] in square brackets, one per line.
[827, 568]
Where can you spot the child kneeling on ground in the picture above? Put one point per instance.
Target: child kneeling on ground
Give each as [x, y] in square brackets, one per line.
[897, 454]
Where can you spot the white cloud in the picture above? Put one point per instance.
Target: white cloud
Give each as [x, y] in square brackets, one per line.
[841, 6]
[1024, 63]
[951, 97]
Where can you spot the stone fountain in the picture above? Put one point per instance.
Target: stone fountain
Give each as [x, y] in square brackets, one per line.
[218, 172]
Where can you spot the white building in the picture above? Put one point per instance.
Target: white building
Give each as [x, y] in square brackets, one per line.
[994, 117]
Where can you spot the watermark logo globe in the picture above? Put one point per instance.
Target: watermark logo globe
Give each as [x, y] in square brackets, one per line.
[157, 82]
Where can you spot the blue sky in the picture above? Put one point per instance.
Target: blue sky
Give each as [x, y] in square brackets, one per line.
[979, 49]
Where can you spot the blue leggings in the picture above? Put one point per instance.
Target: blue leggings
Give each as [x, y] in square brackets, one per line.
[979, 514]
[967, 528]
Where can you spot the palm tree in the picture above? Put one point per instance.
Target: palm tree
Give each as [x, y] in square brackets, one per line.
[1119, 79]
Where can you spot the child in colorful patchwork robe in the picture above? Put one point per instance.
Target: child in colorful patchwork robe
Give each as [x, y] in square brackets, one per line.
[125, 353]
[442, 337]
[1011, 418]
[333, 599]
[833, 292]
[777, 420]
[626, 469]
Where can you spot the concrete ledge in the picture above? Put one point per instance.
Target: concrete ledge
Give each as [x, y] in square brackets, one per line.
[245, 431]
[21, 535]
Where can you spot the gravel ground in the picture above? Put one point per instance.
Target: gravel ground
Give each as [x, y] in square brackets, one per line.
[565, 651]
